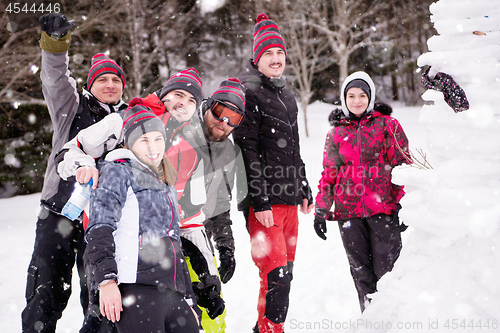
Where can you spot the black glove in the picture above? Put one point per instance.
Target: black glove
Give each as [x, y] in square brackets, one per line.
[307, 193]
[55, 24]
[335, 116]
[227, 264]
[94, 321]
[320, 227]
[207, 293]
[454, 95]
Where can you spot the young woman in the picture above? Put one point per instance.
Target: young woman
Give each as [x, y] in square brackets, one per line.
[133, 234]
[360, 152]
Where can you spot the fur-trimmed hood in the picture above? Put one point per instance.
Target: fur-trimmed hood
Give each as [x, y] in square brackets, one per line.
[337, 115]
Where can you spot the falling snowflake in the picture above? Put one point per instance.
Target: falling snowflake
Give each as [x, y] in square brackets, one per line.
[34, 68]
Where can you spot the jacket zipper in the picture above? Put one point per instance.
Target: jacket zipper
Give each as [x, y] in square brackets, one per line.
[288, 118]
[171, 223]
[362, 170]
[292, 136]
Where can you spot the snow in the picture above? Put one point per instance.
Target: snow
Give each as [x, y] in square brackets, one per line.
[322, 289]
[447, 276]
[208, 6]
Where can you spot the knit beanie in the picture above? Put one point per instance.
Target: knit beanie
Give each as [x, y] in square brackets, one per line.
[188, 80]
[266, 35]
[102, 64]
[360, 80]
[230, 90]
[139, 120]
[361, 84]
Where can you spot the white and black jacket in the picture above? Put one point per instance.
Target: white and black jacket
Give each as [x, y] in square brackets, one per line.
[133, 234]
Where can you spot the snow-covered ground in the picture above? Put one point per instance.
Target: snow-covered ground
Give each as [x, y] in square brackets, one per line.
[322, 289]
[447, 277]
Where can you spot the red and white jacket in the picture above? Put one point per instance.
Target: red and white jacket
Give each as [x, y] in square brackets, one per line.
[104, 136]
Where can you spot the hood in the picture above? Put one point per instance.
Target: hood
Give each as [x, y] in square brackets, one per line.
[361, 76]
[120, 154]
[337, 115]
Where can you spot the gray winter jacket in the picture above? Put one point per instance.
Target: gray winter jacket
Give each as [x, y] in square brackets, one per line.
[223, 164]
[70, 111]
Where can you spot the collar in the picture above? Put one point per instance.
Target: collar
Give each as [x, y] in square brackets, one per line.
[251, 70]
[126, 154]
[105, 108]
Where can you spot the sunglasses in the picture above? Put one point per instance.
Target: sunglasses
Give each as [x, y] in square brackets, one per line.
[223, 112]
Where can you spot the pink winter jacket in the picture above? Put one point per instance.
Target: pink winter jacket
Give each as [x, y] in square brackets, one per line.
[358, 160]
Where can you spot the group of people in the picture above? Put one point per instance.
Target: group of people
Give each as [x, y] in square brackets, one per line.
[163, 169]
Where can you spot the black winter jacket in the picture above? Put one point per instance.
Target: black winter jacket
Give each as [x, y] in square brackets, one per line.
[269, 140]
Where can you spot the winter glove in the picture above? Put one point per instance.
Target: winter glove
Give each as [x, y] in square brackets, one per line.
[321, 215]
[227, 264]
[95, 322]
[335, 116]
[207, 293]
[320, 227]
[307, 193]
[454, 95]
[55, 24]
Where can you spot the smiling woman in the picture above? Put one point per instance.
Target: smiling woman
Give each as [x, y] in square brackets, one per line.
[134, 229]
[150, 148]
[360, 152]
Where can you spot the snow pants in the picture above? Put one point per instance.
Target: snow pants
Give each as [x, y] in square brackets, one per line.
[372, 245]
[58, 244]
[198, 238]
[154, 310]
[273, 252]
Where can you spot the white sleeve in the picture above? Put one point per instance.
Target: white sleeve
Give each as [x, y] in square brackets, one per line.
[90, 143]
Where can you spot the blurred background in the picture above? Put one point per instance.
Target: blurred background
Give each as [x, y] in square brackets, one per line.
[151, 40]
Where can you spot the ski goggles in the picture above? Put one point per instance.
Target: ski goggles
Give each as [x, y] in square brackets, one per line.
[223, 112]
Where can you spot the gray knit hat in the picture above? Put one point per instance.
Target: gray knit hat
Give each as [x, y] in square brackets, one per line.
[266, 35]
[139, 120]
[230, 90]
[102, 64]
[188, 80]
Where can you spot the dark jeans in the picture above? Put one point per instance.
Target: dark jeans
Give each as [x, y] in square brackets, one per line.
[58, 244]
[372, 245]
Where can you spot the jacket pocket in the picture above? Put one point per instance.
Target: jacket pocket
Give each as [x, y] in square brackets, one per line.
[32, 279]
